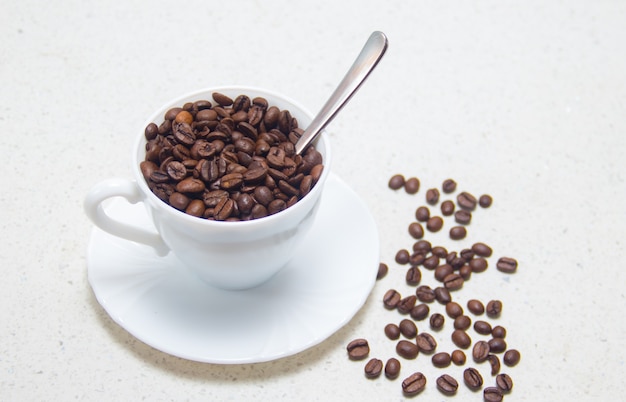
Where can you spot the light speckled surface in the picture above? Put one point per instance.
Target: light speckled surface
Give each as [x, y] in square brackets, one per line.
[525, 100]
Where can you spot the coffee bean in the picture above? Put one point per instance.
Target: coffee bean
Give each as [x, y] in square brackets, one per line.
[454, 309]
[392, 368]
[480, 352]
[416, 230]
[432, 196]
[407, 349]
[431, 262]
[392, 331]
[497, 345]
[482, 327]
[466, 201]
[440, 251]
[442, 295]
[461, 339]
[485, 201]
[466, 272]
[482, 250]
[426, 342]
[382, 267]
[402, 257]
[498, 332]
[504, 382]
[408, 328]
[494, 308]
[492, 394]
[373, 368]
[453, 282]
[425, 294]
[436, 321]
[434, 223]
[422, 214]
[396, 182]
[507, 265]
[472, 378]
[391, 299]
[419, 312]
[222, 99]
[442, 271]
[224, 209]
[511, 357]
[405, 305]
[447, 208]
[422, 246]
[494, 361]
[467, 254]
[412, 185]
[458, 232]
[458, 357]
[417, 258]
[462, 322]
[195, 208]
[441, 359]
[413, 276]
[414, 384]
[462, 217]
[478, 264]
[358, 349]
[448, 186]
[475, 306]
[446, 384]
[179, 201]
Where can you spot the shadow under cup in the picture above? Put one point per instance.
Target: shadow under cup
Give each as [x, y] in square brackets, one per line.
[234, 255]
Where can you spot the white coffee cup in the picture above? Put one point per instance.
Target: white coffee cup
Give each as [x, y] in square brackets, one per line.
[229, 255]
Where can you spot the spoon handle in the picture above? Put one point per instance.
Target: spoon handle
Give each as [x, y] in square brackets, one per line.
[369, 57]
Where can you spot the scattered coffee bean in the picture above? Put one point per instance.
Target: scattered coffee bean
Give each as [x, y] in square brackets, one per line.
[498, 332]
[497, 345]
[432, 196]
[453, 281]
[492, 394]
[414, 384]
[396, 182]
[461, 339]
[392, 368]
[454, 309]
[420, 312]
[458, 232]
[476, 307]
[382, 270]
[447, 384]
[447, 208]
[504, 382]
[425, 294]
[358, 349]
[494, 308]
[431, 262]
[482, 250]
[467, 254]
[507, 265]
[417, 258]
[480, 351]
[437, 321]
[494, 361]
[462, 217]
[373, 368]
[422, 246]
[406, 349]
[485, 200]
[402, 257]
[422, 214]
[406, 305]
[442, 271]
[439, 251]
[426, 342]
[462, 322]
[511, 357]
[466, 272]
[441, 359]
[434, 223]
[472, 378]
[442, 295]
[412, 185]
[458, 357]
[448, 186]
[482, 327]
[408, 328]
[466, 201]
[413, 276]
[478, 265]
[392, 331]
[416, 230]
[391, 299]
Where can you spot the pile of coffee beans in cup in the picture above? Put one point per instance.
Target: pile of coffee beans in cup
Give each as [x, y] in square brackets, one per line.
[478, 341]
[229, 160]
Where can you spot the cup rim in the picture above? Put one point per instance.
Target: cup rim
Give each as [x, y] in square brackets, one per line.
[226, 225]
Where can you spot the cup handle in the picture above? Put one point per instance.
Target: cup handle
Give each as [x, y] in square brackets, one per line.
[130, 191]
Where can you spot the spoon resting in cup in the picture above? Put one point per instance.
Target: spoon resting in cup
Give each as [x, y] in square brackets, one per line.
[370, 55]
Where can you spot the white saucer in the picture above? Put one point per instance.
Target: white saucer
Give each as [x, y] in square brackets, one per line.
[163, 305]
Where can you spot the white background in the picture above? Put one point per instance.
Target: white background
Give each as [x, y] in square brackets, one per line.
[524, 100]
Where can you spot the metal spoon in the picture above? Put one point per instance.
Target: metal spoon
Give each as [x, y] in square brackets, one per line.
[369, 57]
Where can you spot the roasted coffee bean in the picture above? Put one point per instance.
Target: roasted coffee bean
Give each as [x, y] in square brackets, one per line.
[441, 359]
[431, 262]
[391, 299]
[466, 201]
[453, 282]
[446, 384]
[434, 223]
[402, 257]
[478, 264]
[497, 345]
[422, 246]
[485, 201]
[504, 382]
[498, 332]
[276, 206]
[426, 343]
[195, 208]
[417, 258]
[396, 182]
[475, 306]
[466, 272]
[179, 201]
[511, 357]
[461, 339]
[222, 99]
[412, 185]
[171, 114]
[454, 309]
[447, 208]
[437, 321]
[413, 276]
[458, 357]
[176, 170]
[392, 331]
[440, 251]
[416, 230]
[405, 305]
[422, 214]
[448, 186]
[442, 271]
[258, 211]
[472, 378]
[151, 131]
[462, 322]
[492, 394]
[190, 186]
[392, 368]
[408, 328]
[425, 294]
[420, 312]
[467, 254]
[414, 384]
[482, 327]
[442, 295]
[432, 196]
[482, 250]
[407, 349]
[480, 351]
[382, 267]
[494, 308]
[462, 217]
[358, 349]
[224, 209]
[507, 265]
[458, 232]
[494, 361]
[373, 368]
